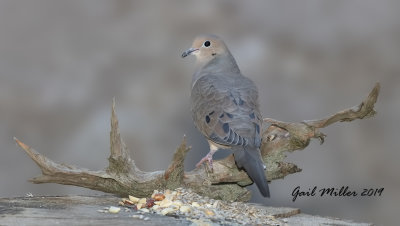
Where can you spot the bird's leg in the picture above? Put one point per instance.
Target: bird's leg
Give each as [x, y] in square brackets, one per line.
[208, 157]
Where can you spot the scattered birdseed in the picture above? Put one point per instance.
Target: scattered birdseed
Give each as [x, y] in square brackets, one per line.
[114, 209]
[200, 210]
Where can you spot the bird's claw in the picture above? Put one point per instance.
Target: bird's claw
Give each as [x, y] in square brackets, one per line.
[209, 160]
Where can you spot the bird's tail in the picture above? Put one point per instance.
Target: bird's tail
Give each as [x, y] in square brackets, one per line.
[251, 161]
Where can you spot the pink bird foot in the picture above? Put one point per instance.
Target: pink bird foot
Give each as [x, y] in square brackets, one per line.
[207, 158]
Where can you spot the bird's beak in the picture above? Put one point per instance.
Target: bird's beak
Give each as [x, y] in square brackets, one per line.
[188, 52]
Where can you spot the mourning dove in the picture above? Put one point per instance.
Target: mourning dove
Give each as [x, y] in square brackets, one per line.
[225, 107]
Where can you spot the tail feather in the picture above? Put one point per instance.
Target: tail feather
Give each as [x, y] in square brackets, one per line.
[250, 160]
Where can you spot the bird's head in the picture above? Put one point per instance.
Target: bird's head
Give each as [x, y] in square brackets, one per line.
[206, 48]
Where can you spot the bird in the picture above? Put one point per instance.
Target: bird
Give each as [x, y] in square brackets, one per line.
[225, 107]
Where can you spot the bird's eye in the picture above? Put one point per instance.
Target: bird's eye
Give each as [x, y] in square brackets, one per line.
[207, 43]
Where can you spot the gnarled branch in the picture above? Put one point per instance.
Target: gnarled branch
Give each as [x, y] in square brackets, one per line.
[226, 182]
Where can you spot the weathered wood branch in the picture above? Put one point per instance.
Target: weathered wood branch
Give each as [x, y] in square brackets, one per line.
[226, 182]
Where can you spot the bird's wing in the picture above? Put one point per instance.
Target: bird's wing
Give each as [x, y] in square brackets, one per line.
[225, 110]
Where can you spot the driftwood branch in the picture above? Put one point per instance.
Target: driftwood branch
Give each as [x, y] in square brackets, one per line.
[226, 182]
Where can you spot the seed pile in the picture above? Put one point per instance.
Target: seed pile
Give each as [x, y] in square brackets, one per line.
[186, 204]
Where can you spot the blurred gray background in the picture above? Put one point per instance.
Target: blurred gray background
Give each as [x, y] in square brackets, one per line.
[62, 62]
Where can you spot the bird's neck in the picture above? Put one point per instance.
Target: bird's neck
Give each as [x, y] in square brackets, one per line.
[224, 64]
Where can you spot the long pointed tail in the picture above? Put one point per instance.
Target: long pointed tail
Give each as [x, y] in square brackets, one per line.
[250, 160]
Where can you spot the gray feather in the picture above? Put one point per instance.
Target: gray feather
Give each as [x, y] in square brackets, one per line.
[250, 161]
